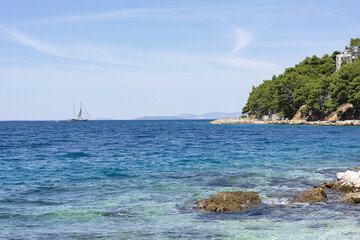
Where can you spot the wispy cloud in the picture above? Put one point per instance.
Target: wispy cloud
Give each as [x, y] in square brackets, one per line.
[93, 17]
[83, 53]
[151, 59]
[243, 38]
[328, 14]
[109, 55]
[19, 37]
[184, 13]
[193, 12]
[250, 64]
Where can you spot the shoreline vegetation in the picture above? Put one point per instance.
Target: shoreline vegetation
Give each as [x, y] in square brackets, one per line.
[317, 91]
[345, 115]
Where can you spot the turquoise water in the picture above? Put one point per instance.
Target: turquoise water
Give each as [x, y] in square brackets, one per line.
[140, 180]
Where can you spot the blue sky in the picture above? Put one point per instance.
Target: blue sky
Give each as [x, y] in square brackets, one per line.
[125, 59]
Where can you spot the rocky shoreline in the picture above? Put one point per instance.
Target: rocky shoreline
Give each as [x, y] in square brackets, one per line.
[346, 188]
[345, 115]
[288, 122]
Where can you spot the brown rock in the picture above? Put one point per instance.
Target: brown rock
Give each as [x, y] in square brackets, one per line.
[229, 201]
[344, 186]
[326, 185]
[357, 169]
[312, 195]
[315, 115]
[353, 198]
[333, 117]
[299, 115]
[346, 111]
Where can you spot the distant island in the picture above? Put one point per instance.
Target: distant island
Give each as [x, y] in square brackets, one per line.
[186, 116]
[316, 89]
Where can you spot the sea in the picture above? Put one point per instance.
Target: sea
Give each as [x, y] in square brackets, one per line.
[141, 179]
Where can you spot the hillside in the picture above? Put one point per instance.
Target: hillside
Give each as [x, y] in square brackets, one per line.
[313, 84]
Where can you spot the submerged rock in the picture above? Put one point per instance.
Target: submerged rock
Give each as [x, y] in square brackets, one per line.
[353, 198]
[229, 201]
[326, 185]
[343, 186]
[310, 196]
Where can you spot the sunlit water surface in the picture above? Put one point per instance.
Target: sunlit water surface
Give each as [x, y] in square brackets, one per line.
[140, 180]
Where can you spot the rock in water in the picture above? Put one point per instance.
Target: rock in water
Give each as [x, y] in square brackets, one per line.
[229, 201]
[353, 198]
[352, 177]
[310, 196]
[326, 185]
[343, 186]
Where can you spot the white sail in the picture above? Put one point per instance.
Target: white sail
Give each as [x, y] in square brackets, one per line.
[79, 117]
[80, 112]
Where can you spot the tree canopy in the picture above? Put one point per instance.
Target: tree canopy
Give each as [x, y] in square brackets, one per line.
[313, 82]
[354, 41]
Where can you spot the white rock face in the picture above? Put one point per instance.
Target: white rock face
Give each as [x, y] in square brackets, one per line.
[350, 177]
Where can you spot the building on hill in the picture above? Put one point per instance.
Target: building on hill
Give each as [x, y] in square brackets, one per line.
[349, 55]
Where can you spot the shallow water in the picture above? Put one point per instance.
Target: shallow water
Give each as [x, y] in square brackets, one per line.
[140, 179]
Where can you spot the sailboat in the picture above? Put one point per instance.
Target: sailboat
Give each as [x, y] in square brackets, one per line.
[80, 117]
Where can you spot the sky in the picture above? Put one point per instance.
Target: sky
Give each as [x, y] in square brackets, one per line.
[126, 59]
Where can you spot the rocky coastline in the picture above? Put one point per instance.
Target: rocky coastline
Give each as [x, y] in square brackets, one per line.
[345, 115]
[287, 122]
[346, 190]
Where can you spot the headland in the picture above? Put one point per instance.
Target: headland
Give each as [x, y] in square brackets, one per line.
[287, 122]
[317, 91]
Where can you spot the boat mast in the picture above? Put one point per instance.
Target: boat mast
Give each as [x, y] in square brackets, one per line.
[74, 110]
[80, 111]
[87, 114]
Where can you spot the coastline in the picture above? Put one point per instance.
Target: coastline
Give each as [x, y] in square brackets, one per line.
[343, 190]
[286, 122]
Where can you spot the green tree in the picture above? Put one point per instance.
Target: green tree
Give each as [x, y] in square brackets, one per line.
[354, 41]
[313, 82]
[306, 83]
[342, 97]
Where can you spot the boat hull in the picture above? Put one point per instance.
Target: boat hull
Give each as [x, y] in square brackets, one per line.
[78, 120]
